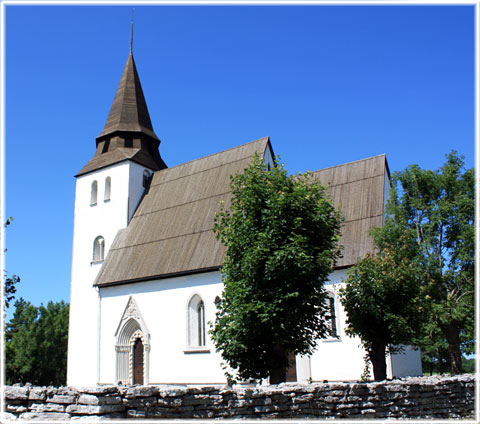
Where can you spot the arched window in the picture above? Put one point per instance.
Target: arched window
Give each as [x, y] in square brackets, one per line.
[196, 321]
[93, 194]
[108, 184]
[331, 316]
[146, 178]
[98, 249]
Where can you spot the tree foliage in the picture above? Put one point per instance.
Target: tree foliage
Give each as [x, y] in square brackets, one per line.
[10, 281]
[281, 235]
[436, 210]
[380, 298]
[36, 344]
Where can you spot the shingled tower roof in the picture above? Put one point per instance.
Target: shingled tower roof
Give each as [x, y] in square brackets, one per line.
[129, 110]
[128, 132]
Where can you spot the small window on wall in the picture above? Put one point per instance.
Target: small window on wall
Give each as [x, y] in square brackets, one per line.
[332, 318]
[98, 249]
[196, 322]
[146, 178]
[108, 183]
[93, 194]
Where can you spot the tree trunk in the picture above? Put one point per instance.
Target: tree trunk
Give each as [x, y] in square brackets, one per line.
[453, 339]
[278, 370]
[377, 357]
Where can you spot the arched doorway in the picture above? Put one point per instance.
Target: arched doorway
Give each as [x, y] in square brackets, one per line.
[138, 368]
[132, 347]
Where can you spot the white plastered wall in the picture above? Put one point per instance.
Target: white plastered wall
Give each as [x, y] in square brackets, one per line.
[163, 305]
[342, 358]
[104, 219]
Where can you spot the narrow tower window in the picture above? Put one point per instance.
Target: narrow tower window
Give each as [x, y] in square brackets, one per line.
[108, 183]
[93, 194]
[146, 178]
[196, 322]
[98, 249]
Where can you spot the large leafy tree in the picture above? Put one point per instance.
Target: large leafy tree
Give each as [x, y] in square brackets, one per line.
[36, 344]
[436, 209]
[380, 298]
[281, 234]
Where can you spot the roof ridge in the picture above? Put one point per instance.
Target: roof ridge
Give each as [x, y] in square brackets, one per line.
[217, 153]
[348, 163]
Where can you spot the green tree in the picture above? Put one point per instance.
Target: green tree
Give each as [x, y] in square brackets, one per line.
[10, 282]
[380, 299]
[436, 208]
[281, 234]
[36, 344]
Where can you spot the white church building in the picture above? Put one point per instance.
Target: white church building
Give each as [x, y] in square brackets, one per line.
[146, 263]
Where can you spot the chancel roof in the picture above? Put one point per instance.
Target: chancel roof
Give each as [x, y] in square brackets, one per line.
[172, 234]
[358, 190]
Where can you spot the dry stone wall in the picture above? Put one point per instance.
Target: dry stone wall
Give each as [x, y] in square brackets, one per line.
[422, 397]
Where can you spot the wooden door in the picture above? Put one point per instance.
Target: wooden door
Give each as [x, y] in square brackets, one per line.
[138, 362]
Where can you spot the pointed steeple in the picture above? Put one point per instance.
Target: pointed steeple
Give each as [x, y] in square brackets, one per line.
[128, 132]
[129, 110]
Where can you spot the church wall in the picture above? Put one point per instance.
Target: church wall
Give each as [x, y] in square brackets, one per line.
[163, 306]
[342, 358]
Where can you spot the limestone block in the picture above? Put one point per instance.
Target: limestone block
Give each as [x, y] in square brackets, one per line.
[94, 409]
[141, 402]
[37, 393]
[88, 399]
[16, 408]
[47, 407]
[99, 390]
[44, 416]
[141, 391]
[16, 392]
[166, 402]
[61, 399]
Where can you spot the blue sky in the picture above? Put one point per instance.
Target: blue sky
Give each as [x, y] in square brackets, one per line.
[328, 84]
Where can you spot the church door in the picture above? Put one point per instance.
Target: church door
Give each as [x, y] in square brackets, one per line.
[138, 362]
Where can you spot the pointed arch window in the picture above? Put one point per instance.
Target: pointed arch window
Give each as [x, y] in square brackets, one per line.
[196, 322]
[331, 316]
[93, 193]
[98, 249]
[108, 185]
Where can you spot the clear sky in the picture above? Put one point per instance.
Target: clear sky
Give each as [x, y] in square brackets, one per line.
[328, 84]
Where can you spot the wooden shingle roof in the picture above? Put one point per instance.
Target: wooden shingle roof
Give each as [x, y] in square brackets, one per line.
[357, 188]
[128, 132]
[129, 109]
[171, 231]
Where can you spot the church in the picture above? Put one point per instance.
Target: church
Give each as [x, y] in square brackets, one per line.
[146, 264]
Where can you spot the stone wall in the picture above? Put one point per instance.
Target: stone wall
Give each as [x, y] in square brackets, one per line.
[422, 397]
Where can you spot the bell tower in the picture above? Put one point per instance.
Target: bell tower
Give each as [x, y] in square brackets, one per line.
[108, 190]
